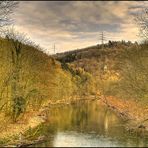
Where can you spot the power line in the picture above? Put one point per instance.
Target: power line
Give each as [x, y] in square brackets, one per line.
[104, 36]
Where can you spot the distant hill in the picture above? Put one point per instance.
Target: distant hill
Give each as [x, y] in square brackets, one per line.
[118, 68]
[93, 59]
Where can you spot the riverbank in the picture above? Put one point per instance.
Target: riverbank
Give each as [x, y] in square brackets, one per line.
[11, 132]
[136, 114]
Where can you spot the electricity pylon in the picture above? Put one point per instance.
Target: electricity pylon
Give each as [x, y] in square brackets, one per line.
[102, 38]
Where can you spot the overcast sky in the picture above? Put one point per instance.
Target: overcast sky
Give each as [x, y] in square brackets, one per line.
[75, 24]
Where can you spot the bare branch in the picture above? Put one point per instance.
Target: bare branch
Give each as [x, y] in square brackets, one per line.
[6, 8]
[142, 21]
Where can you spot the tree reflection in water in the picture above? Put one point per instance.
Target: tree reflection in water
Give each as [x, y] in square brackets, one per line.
[87, 124]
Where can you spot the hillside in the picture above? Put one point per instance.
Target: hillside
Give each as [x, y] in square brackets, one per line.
[96, 59]
[120, 73]
[39, 81]
[111, 61]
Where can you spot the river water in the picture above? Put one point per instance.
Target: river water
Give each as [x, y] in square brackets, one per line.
[87, 124]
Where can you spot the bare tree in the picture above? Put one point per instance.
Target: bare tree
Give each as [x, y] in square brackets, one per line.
[142, 21]
[21, 90]
[134, 64]
[6, 8]
[16, 41]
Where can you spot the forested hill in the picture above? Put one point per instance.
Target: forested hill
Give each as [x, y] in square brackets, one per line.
[94, 58]
[29, 79]
[122, 66]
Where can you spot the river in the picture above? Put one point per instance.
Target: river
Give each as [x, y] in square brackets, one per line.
[89, 124]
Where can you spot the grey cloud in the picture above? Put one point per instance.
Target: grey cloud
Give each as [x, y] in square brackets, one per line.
[67, 20]
[69, 16]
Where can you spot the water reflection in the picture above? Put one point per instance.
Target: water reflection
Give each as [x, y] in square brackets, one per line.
[87, 124]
